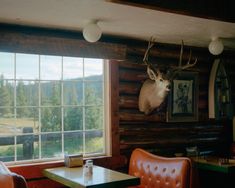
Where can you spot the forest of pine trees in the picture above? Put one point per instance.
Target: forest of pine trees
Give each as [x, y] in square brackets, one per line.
[25, 105]
[27, 96]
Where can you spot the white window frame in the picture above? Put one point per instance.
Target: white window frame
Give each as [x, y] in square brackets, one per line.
[106, 114]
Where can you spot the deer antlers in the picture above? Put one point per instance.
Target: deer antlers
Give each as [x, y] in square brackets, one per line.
[180, 67]
[174, 71]
[146, 55]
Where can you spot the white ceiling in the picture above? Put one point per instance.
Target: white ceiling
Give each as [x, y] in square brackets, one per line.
[116, 19]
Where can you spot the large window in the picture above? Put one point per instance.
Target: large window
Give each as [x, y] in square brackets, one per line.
[51, 105]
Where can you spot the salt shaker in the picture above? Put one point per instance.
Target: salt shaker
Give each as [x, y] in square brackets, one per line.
[89, 167]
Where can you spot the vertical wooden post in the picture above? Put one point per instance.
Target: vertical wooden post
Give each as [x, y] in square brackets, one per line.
[28, 141]
[114, 96]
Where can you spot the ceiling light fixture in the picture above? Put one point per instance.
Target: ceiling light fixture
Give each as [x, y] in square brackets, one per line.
[92, 32]
[216, 46]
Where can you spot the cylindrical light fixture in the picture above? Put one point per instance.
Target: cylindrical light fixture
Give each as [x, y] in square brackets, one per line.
[216, 46]
[92, 32]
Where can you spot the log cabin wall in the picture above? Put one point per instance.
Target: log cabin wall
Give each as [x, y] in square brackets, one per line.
[131, 128]
[152, 132]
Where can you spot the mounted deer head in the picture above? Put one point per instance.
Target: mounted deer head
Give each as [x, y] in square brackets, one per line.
[155, 89]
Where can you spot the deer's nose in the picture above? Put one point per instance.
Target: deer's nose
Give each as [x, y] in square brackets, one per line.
[168, 87]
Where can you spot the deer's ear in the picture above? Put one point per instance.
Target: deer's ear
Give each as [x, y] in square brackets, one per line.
[151, 74]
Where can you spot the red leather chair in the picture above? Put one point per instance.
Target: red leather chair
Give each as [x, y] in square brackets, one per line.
[160, 172]
[9, 179]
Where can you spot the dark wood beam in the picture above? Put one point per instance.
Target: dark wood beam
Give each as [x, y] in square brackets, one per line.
[210, 9]
[34, 40]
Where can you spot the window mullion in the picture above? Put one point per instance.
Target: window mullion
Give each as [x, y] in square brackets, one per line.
[14, 104]
[39, 109]
[62, 104]
[83, 108]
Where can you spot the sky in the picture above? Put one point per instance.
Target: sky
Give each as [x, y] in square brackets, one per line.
[27, 66]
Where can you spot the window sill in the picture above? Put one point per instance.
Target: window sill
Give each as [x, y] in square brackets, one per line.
[49, 162]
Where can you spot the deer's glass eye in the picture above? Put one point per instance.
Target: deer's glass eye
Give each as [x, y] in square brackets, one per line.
[161, 80]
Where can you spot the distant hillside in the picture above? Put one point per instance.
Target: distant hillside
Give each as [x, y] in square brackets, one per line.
[72, 88]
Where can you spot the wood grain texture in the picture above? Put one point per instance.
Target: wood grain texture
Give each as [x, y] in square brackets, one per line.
[153, 132]
[24, 41]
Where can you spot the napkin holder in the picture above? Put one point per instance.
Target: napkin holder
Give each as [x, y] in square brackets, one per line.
[73, 160]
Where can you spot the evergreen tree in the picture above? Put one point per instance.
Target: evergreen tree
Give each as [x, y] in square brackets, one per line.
[21, 100]
[94, 114]
[94, 117]
[46, 120]
[51, 117]
[73, 115]
[55, 96]
[4, 97]
[73, 118]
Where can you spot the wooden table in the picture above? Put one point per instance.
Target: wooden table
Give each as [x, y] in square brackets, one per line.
[214, 174]
[213, 164]
[101, 178]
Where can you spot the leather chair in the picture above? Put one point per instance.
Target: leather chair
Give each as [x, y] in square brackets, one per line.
[160, 172]
[9, 179]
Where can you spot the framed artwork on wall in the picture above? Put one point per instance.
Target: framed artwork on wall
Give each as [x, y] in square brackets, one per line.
[183, 98]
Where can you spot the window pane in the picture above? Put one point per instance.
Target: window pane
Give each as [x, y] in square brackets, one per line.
[36, 146]
[7, 65]
[93, 69]
[73, 93]
[31, 93]
[51, 67]
[21, 99]
[6, 93]
[72, 68]
[93, 93]
[27, 119]
[7, 120]
[50, 93]
[94, 142]
[50, 119]
[29, 61]
[26, 147]
[7, 151]
[51, 145]
[73, 142]
[73, 118]
[7, 124]
[27, 93]
[6, 113]
[94, 118]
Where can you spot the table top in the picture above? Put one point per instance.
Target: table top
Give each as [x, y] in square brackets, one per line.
[214, 164]
[101, 177]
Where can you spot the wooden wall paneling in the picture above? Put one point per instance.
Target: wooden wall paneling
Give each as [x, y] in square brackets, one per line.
[152, 132]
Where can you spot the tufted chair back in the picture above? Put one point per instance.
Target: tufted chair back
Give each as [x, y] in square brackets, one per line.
[9, 179]
[160, 172]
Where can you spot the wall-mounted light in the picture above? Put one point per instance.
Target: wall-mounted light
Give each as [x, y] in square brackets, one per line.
[92, 32]
[216, 46]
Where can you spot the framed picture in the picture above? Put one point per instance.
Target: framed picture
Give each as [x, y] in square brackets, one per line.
[183, 98]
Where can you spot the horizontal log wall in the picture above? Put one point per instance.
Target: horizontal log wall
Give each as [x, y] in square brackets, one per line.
[130, 128]
[152, 132]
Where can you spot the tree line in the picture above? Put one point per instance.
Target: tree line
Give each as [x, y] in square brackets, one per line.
[27, 103]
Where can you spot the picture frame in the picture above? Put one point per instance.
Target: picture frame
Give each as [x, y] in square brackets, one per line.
[183, 98]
